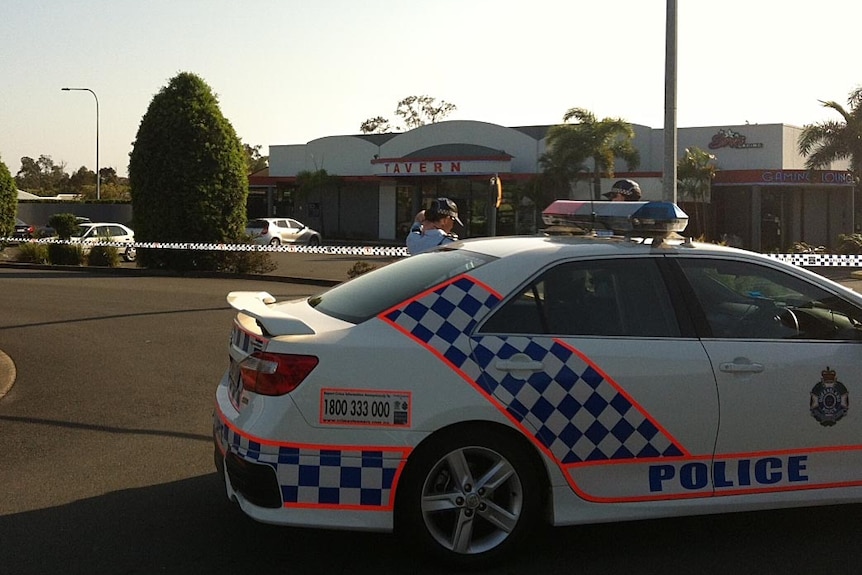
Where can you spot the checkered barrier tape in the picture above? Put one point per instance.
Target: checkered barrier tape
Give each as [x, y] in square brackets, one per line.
[803, 259]
[819, 260]
[569, 406]
[387, 251]
[310, 476]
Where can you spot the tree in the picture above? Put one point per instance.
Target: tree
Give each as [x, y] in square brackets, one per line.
[603, 141]
[695, 172]
[376, 125]
[42, 177]
[109, 176]
[255, 162]
[564, 162]
[8, 201]
[80, 180]
[187, 171]
[415, 111]
[827, 142]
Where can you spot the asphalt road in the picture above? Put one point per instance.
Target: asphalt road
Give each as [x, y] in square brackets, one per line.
[106, 460]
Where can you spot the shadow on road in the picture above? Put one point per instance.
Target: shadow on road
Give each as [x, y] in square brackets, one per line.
[188, 527]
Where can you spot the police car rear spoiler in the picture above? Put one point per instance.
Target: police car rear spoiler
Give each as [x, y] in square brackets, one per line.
[271, 321]
[647, 219]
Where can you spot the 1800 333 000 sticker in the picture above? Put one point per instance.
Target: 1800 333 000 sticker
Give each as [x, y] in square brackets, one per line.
[365, 407]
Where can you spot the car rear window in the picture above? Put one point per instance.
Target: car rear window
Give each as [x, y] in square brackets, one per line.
[366, 296]
[257, 224]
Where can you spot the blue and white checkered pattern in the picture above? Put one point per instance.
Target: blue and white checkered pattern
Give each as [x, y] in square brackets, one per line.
[310, 476]
[245, 341]
[573, 411]
[443, 318]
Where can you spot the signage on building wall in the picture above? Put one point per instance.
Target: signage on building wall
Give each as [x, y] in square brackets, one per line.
[784, 177]
[804, 177]
[730, 139]
[453, 167]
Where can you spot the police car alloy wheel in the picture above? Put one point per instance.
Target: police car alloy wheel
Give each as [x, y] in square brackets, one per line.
[471, 496]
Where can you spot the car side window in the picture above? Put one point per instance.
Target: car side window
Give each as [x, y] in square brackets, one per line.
[743, 300]
[614, 297]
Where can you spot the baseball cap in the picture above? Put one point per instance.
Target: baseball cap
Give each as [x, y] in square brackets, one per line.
[443, 207]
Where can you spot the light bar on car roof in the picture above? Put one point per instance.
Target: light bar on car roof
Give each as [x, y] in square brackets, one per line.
[624, 218]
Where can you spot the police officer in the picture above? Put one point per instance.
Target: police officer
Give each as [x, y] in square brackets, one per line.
[436, 229]
[624, 191]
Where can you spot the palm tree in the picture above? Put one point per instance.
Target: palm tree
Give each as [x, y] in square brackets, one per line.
[603, 141]
[826, 142]
[695, 171]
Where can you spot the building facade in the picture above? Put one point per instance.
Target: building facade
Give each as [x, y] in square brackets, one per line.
[369, 187]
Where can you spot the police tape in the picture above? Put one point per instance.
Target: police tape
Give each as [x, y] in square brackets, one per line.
[819, 260]
[800, 259]
[383, 251]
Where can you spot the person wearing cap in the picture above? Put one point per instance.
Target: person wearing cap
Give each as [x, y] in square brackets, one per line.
[624, 191]
[436, 229]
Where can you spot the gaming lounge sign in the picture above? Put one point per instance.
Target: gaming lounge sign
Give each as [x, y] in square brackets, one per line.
[731, 139]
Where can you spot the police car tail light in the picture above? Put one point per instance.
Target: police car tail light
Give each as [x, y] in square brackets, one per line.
[625, 218]
[275, 374]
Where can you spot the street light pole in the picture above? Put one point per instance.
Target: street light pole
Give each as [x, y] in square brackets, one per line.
[98, 177]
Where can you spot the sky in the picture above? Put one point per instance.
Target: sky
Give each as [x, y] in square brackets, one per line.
[291, 71]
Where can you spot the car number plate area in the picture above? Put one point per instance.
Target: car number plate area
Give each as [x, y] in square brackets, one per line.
[234, 384]
[359, 407]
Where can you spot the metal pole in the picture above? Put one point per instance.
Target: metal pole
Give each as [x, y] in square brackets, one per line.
[98, 177]
[670, 138]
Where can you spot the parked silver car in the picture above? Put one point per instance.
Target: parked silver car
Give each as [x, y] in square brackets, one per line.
[277, 231]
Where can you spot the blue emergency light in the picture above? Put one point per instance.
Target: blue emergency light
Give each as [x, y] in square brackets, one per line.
[648, 219]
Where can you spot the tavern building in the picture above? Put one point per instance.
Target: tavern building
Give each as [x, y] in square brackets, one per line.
[762, 198]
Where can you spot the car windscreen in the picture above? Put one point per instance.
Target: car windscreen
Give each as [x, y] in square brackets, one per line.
[367, 295]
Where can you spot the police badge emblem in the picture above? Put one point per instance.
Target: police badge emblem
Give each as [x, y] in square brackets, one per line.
[830, 400]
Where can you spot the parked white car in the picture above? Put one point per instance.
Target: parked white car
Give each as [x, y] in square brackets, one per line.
[277, 231]
[94, 232]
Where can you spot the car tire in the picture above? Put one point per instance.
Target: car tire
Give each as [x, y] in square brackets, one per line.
[275, 242]
[470, 497]
[130, 254]
[314, 241]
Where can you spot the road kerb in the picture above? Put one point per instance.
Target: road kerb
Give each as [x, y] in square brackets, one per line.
[7, 373]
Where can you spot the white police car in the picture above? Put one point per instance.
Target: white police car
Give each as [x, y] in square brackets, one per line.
[463, 395]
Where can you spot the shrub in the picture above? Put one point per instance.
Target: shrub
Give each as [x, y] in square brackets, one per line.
[65, 254]
[359, 268]
[251, 262]
[187, 172]
[32, 253]
[105, 256]
[8, 201]
[64, 224]
[803, 248]
[850, 244]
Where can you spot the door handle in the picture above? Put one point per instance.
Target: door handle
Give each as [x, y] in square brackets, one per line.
[519, 362]
[739, 365]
